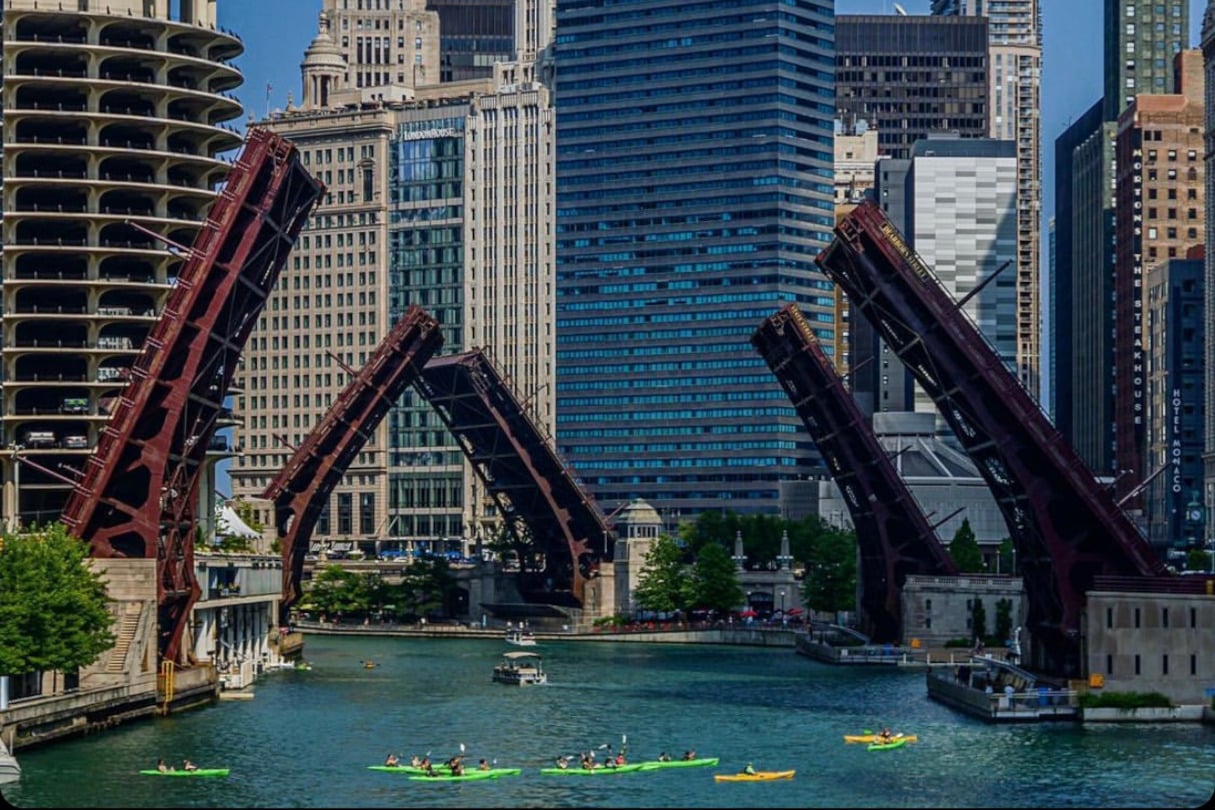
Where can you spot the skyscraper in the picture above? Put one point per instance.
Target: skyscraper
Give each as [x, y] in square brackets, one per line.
[694, 191]
[1015, 71]
[114, 111]
[1140, 42]
[1159, 215]
[907, 76]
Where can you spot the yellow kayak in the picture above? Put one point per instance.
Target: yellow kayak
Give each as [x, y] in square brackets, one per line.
[758, 776]
[872, 738]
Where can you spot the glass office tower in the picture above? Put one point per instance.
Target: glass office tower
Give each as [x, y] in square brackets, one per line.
[694, 189]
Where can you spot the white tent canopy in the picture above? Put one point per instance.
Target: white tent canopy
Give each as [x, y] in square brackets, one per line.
[228, 523]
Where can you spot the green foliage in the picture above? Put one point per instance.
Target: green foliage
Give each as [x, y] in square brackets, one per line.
[53, 606]
[978, 620]
[1004, 624]
[830, 583]
[426, 586]
[1125, 700]
[662, 582]
[1007, 557]
[234, 544]
[1197, 560]
[715, 581]
[964, 549]
[761, 535]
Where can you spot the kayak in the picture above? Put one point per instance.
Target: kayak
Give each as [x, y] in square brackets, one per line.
[468, 776]
[869, 738]
[409, 770]
[900, 742]
[758, 776]
[199, 772]
[602, 770]
[655, 764]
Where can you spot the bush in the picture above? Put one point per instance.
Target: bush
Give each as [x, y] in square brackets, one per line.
[1125, 700]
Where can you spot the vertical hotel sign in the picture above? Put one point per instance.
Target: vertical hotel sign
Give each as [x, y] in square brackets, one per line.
[1138, 386]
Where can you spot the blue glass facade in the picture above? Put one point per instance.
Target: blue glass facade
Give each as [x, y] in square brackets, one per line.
[425, 267]
[694, 189]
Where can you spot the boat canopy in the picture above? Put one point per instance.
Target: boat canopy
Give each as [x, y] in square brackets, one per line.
[520, 654]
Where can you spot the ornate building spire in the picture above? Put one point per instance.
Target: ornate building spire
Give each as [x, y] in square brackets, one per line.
[323, 69]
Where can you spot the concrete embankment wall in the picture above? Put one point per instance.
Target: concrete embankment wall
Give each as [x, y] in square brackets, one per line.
[756, 637]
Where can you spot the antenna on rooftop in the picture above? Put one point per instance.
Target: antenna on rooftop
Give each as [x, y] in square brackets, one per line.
[900, 10]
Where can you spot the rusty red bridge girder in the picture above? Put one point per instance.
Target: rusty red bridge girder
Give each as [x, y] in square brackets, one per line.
[542, 505]
[1066, 528]
[894, 536]
[302, 488]
[138, 494]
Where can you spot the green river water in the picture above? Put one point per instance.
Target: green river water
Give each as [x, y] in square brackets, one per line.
[307, 738]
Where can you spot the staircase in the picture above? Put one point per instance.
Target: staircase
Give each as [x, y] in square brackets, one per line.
[128, 624]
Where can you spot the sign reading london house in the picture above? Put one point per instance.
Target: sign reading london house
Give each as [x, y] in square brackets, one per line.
[405, 134]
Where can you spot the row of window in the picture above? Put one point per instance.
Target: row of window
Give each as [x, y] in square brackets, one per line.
[1164, 617]
[1164, 664]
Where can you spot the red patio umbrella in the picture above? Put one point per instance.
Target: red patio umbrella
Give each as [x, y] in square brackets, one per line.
[748, 613]
[795, 611]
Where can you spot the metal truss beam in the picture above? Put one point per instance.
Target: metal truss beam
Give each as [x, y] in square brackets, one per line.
[302, 488]
[543, 506]
[893, 535]
[138, 494]
[1065, 526]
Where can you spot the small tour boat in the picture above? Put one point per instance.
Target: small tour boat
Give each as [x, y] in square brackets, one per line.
[520, 668]
[520, 638]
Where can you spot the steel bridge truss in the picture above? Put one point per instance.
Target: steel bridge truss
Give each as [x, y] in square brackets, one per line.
[1066, 528]
[302, 488]
[893, 535]
[562, 529]
[138, 494]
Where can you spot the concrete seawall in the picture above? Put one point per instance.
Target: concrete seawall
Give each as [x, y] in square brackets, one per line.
[751, 636]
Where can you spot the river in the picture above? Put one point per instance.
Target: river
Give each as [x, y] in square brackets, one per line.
[307, 738]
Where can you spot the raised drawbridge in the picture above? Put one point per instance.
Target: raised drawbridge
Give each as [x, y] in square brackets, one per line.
[1065, 526]
[894, 536]
[562, 530]
[138, 494]
[302, 488]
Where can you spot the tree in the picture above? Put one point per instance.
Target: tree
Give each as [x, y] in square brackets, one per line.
[660, 584]
[978, 620]
[1008, 557]
[715, 581]
[1004, 623]
[830, 582]
[54, 611]
[964, 549]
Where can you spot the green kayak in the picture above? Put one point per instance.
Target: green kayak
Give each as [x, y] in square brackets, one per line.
[199, 772]
[469, 776]
[901, 741]
[602, 770]
[656, 764]
[410, 770]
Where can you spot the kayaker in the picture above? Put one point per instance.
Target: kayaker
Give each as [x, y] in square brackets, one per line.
[392, 761]
[689, 755]
[749, 770]
[161, 766]
[563, 762]
[885, 736]
[619, 758]
[415, 762]
[482, 765]
[187, 765]
[664, 757]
